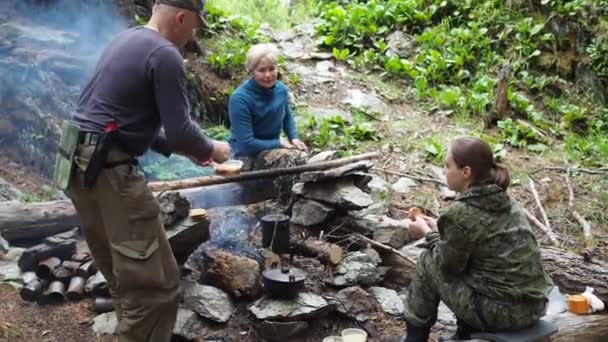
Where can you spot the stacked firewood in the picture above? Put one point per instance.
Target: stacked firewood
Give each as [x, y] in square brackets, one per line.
[55, 280]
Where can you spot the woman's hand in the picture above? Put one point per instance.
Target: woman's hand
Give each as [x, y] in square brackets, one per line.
[419, 228]
[286, 144]
[298, 144]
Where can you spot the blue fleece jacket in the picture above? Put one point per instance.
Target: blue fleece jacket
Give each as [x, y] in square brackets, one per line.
[257, 116]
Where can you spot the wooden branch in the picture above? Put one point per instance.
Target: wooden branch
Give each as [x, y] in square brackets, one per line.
[385, 247]
[418, 178]
[587, 232]
[540, 205]
[269, 173]
[540, 225]
[599, 171]
[326, 252]
[414, 244]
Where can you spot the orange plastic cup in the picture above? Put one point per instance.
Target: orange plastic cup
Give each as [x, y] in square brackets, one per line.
[578, 304]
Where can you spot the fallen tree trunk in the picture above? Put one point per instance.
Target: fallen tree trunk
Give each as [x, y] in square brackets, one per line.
[326, 252]
[268, 173]
[36, 221]
[569, 271]
[591, 328]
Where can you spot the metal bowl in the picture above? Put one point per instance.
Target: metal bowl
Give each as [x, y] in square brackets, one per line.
[230, 167]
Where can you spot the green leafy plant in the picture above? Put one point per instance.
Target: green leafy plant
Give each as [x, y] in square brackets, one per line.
[434, 150]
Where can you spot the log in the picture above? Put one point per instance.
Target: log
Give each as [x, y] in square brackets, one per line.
[579, 327]
[326, 252]
[572, 274]
[26, 222]
[260, 174]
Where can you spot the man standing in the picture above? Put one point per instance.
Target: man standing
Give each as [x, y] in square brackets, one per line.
[137, 88]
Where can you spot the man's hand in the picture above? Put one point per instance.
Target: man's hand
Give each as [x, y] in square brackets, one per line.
[286, 144]
[221, 151]
[298, 144]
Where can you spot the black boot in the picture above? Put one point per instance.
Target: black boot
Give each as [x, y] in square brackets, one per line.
[416, 334]
[463, 333]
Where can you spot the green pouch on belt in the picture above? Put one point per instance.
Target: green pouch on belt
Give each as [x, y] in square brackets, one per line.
[64, 161]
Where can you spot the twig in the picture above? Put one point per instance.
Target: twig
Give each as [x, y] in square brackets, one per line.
[539, 204]
[414, 244]
[599, 171]
[544, 228]
[587, 232]
[402, 174]
[385, 247]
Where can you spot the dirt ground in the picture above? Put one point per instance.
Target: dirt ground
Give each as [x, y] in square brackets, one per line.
[29, 322]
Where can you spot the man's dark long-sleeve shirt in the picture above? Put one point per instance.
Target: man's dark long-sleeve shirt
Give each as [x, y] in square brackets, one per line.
[139, 82]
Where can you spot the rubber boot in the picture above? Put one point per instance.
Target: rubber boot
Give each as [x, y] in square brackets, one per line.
[416, 334]
[463, 333]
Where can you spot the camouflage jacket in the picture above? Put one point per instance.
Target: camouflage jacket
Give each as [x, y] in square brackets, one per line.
[485, 239]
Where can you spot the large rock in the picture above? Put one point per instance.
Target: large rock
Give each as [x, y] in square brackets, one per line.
[356, 303]
[357, 268]
[173, 207]
[309, 213]
[400, 44]
[322, 157]
[8, 192]
[341, 193]
[303, 306]
[368, 223]
[97, 285]
[9, 270]
[185, 237]
[367, 102]
[208, 301]
[3, 246]
[395, 237]
[188, 324]
[404, 185]
[105, 324]
[389, 300]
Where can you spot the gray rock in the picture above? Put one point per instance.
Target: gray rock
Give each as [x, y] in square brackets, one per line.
[188, 324]
[357, 268]
[389, 300]
[3, 245]
[281, 331]
[340, 193]
[446, 193]
[400, 44]
[309, 213]
[380, 190]
[9, 269]
[367, 102]
[105, 324]
[323, 156]
[404, 185]
[371, 223]
[208, 301]
[304, 305]
[61, 245]
[356, 303]
[97, 285]
[412, 252]
[322, 113]
[394, 237]
[373, 254]
[8, 192]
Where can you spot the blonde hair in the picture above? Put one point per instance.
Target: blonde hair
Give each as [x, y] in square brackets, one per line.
[261, 53]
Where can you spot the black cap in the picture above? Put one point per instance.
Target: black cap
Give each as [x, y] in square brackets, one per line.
[190, 5]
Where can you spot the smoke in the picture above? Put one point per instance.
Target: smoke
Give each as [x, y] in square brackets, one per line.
[48, 49]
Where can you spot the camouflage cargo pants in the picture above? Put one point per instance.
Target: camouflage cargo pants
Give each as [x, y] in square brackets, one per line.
[122, 228]
[431, 286]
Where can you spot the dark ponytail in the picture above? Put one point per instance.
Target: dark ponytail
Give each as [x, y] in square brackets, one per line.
[477, 154]
[500, 176]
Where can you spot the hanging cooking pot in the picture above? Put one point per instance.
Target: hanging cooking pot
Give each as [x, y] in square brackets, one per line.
[284, 282]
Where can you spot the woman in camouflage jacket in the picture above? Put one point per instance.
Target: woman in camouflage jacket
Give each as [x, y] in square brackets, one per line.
[482, 260]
